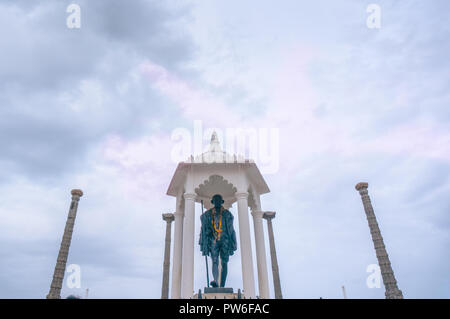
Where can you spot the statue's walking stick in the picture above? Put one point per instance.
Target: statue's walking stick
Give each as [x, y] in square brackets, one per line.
[206, 258]
[207, 272]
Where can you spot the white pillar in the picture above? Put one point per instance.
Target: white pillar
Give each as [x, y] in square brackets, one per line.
[246, 248]
[188, 246]
[263, 277]
[177, 250]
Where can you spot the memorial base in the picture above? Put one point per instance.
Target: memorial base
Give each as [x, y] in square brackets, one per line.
[217, 290]
[218, 293]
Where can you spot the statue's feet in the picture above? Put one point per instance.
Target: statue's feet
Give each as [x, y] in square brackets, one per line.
[213, 284]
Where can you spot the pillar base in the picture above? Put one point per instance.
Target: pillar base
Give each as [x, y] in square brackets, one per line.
[218, 290]
[394, 295]
[218, 293]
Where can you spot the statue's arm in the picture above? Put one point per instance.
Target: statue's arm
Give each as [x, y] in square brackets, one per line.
[201, 231]
[232, 232]
[203, 241]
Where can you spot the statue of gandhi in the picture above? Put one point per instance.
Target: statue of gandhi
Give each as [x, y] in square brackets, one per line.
[217, 238]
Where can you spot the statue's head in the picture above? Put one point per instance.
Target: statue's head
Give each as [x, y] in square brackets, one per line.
[217, 201]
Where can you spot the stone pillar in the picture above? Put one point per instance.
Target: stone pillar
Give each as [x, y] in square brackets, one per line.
[390, 284]
[188, 245]
[177, 250]
[246, 247]
[273, 255]
[60, 268]
[165, 284]
[263, 278]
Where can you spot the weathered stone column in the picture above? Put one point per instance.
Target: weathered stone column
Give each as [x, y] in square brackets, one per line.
[390, 284]
[60, 268]
[188, 246]
[246, 247]
[263, 278]
[273, 255]
[165, 284]
[177, 249]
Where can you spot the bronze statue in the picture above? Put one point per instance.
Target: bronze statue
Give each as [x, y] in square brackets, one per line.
[218, 238]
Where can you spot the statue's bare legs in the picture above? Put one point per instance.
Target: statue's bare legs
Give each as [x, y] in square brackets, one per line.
[215, 271]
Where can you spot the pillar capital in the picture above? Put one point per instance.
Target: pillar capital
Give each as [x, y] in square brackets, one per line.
[361, 186]
[76, 193]
[241, 195]
[269, 215]
[168, 217]
[190, 196]
[257, 214]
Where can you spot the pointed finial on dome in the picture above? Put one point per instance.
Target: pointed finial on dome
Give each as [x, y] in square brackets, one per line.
[214, 137]
[214, 146]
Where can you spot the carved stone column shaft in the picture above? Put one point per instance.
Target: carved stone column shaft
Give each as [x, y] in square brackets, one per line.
[169, 218]
[390, 284]
[273, 256]
[60, 268]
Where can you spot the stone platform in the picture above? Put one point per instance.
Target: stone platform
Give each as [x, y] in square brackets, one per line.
[218, 293]
[217, 290]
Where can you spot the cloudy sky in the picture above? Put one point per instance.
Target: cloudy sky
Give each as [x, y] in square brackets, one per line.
[95, 108]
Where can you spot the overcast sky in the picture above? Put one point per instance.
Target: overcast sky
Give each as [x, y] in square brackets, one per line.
[95, 107]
